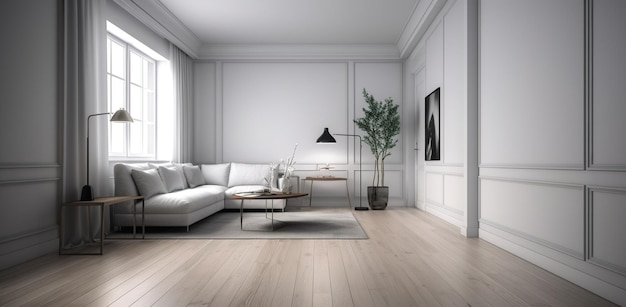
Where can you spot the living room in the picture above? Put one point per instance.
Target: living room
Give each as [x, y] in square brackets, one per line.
[530, 121]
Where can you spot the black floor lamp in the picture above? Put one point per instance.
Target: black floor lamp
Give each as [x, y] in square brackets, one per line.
[120, 116]
[326, 137]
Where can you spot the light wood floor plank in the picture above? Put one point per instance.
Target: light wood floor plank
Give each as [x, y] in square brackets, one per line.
[411, 258]
[285, 288]
[303, 287]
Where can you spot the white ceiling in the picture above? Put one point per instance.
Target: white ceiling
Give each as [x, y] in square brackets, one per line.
[289, 29]
[294, 21]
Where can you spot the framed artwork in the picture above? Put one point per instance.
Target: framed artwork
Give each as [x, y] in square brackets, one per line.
[433, 131]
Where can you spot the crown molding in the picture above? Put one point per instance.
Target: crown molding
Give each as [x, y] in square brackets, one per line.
[421, 18]
[299, 52]
[158, 18]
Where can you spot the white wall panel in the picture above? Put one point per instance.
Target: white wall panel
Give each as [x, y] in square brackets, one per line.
[609, 78]
[550, 214]
[455, 84]
[29, 105]
[434, 59]
[434, 188]
[608, 243]
[455, 194]
[532, 88]
[269, 107]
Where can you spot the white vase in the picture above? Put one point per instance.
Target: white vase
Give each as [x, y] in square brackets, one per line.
[284, 185]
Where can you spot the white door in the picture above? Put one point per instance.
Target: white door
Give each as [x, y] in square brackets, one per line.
[419, 87]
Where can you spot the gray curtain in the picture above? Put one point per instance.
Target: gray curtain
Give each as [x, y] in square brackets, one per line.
[182, 75]
[83, 91]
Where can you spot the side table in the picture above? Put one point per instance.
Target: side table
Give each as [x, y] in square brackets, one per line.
[313, 179]
[102, 202]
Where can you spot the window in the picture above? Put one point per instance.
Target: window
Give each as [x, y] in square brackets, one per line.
[131, 84]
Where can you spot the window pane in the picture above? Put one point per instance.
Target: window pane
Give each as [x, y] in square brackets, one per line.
[136, 136]
[136, 102]
[136, 71]
[117, 139]
[151, 73]
[150, 139]
[151, 107]
[118, 55]
[117, 94]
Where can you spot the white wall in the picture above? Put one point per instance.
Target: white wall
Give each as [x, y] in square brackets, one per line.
[256, 111]
[441, 60]
[552, 155]
[29, 130]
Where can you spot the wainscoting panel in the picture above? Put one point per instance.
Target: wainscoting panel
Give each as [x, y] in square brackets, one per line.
[28, 211]
[434, 188]
[546, 213]
[454, 198]
[524, 106]
[609, 76]
[607, 228]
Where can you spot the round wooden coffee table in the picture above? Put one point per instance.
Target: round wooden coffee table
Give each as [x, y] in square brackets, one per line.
[266, 196]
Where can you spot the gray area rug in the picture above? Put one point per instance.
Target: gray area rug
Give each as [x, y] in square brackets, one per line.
[287, 225]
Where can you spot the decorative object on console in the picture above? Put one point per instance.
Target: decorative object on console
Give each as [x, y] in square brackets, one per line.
[284, 183]
[381, 125]
[325, 170]
[120, 116]
[327, 138]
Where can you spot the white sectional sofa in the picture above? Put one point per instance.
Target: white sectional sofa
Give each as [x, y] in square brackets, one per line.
[182, 194]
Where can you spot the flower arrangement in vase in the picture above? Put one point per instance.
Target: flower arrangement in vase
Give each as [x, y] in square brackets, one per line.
[284, 184]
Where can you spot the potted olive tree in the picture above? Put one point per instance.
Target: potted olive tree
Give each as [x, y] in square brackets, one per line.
[381, 125]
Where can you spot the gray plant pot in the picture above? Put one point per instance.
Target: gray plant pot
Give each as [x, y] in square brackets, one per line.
[377, 197]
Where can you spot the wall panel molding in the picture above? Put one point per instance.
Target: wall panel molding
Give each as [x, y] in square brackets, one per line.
[514, 205]
[526, 236]
[605, 231]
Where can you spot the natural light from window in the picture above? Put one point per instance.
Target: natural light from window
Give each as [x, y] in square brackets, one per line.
[132, 73]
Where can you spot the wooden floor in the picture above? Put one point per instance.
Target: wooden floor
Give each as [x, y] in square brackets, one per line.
[411, 259]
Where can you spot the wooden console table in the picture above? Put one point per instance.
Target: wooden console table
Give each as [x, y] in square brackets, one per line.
[313, 179]
[102, 202]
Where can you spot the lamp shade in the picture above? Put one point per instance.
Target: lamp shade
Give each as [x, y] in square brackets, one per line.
[121, 115]
[326, 137]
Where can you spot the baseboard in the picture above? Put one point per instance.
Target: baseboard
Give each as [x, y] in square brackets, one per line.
[12, 258]
[582, 279]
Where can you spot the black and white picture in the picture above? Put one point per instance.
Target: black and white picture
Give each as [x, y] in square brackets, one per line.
[432, 126]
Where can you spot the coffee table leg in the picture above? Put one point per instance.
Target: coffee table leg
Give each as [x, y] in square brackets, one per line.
[311, 193]
[101, 228]
[348, 193]
[143, 218]
[241, 215]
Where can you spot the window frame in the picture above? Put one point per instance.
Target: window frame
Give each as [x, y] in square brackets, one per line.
[148, 150]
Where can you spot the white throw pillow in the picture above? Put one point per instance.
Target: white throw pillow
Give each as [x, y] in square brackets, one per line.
[193, 175]
[148, 182]
[172, 178]
[216, 174]
[248, 174]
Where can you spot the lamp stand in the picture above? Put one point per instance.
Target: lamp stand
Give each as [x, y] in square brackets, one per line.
[360, 207]
[87, 193]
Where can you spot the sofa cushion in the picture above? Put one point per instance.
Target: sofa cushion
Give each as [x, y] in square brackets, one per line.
[242, 189]
[148, 182]
[248, 174]
[193, 175]
[184, 201]
[173, 179]
[216, 174]
[124, 183]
